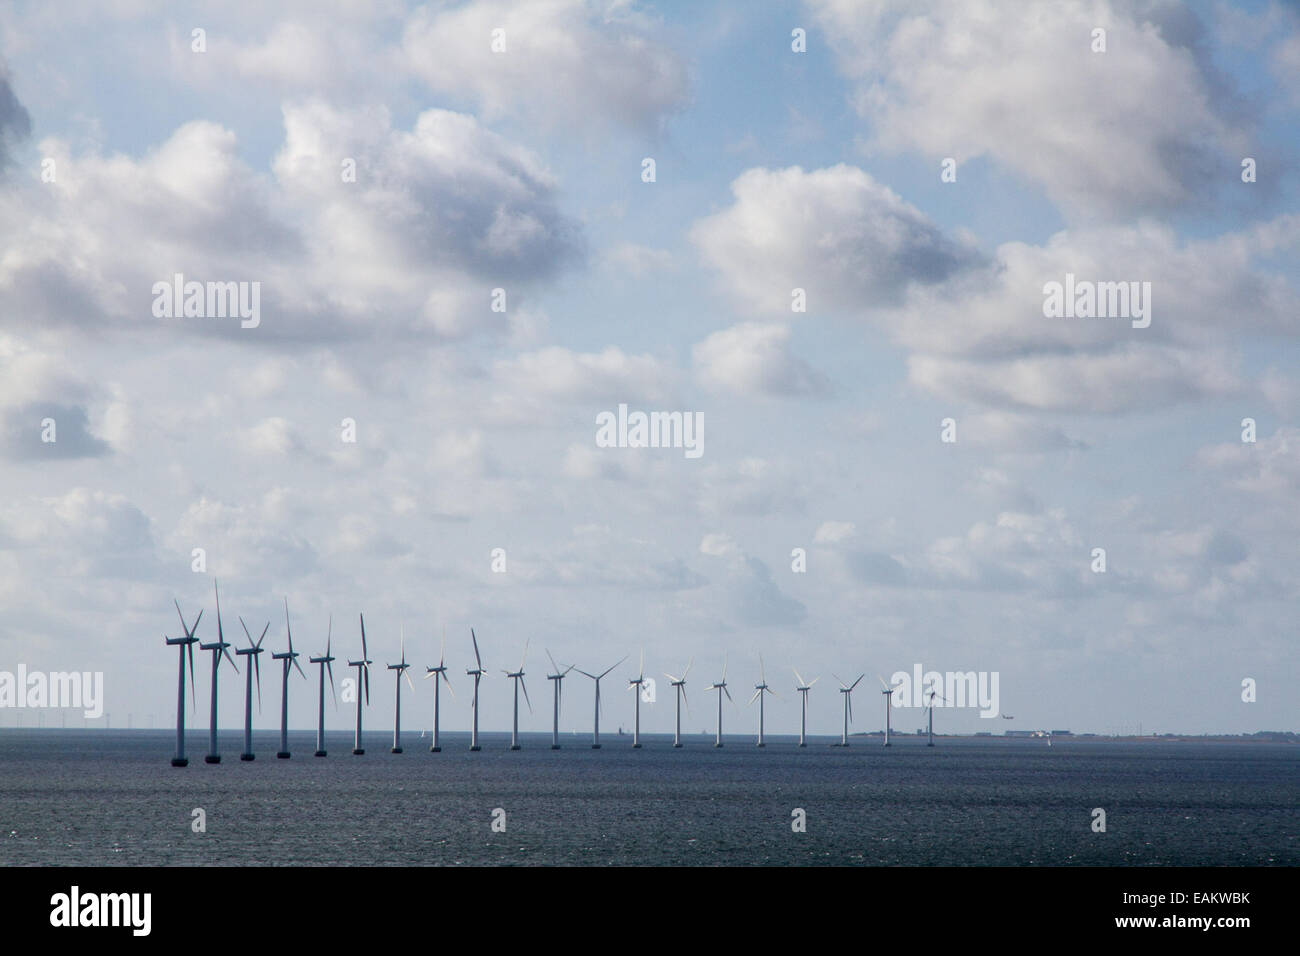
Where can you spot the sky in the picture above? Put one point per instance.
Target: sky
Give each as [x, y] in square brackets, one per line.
[129, 155]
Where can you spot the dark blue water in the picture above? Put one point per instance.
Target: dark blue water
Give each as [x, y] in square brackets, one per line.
[111, 797]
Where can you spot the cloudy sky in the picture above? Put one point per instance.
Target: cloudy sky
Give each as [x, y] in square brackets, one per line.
[126, 157]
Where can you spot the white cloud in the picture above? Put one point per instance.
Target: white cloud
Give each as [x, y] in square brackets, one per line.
[754, 359]
[566, 62]
[1144, 126]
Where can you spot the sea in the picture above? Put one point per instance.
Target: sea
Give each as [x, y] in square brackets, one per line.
[111, 797]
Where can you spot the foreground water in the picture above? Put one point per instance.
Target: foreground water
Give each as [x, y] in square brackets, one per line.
[111, 797]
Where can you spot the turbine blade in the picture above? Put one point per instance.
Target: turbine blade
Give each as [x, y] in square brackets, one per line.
[190, 648]
[762, 671]
[728, 693]
[671, 677]
[263, 637]
[837, 677]
[181, 616]
[299, 666]
[225, 651]
[523, 657]
[882, 682]
[850, 708]
[689, 665]
[333, 692]
[365, 655]
[474, 637]
[802, 682]
[525, 687]
[755, 697]
[446, 680]
[857, 682]
[684, 700]
[287, 628]
[814, 680]
[554, 666]
[257, 669]
[246, 634]
[407, 675]
[366, 671]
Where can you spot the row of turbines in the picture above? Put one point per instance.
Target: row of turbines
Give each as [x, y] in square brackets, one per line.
[220, 649]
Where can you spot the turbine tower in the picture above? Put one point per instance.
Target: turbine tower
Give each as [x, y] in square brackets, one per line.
[183, 644]
[401, 669]
[847, 691]
[558, 677]
[518, 677]
[595, 733]
[434, 672]
[218, 649]
[477, 672]
[635, 685]
[721, 688]
[803, 688]
[680, 684]
[888, 692]
[363, 674]
[254, 649]
[930, 712]
[759, 689]
[323, 662]
[289, 658]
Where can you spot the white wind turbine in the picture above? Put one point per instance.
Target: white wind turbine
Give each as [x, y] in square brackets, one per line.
[634, 685]
[477, 672]
[888, 693]
[847, 691]
[595, 733]
[218, 648]
[721, 688]
[759, 689]
[518, 678]
[930, 711]
[289, 658]
[435, 673]
[401, 669]
[323, 662]
[558, 677]
[679, 683]
[363, 680]
[183, 644]
[803, 688]
[254, 649]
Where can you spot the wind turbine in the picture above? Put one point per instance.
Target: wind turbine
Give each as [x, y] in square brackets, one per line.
[595, 733]
[889, 697]
[397, 701]
[680, 684]
[518, 677]
[184, 644]
[477, 672]
[930, 711]
[558, 677]
[253, 649]
[721, 688]
[635, 685]
[218, 649]
[759, 690]
[289, 658]
[434, 672]
[803, 688]
[363, 674]
[324, 662]
[847, 691]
